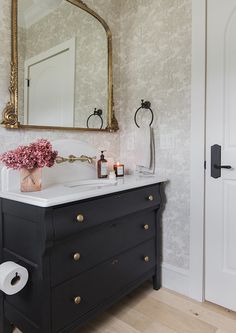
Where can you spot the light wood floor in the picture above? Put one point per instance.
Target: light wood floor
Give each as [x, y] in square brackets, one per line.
[149, 311]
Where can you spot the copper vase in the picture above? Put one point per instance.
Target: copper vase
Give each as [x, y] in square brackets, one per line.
[30, 180]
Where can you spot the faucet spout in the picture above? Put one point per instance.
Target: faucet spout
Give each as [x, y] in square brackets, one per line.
[72, 159]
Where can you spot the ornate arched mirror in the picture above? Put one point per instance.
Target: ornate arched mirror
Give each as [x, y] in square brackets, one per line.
[61, 68]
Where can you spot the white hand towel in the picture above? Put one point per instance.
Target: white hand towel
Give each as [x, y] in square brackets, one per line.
[153, 151]
[142, 147]
[145, 151]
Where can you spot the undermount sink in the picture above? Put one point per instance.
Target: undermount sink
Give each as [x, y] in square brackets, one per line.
[92, 183]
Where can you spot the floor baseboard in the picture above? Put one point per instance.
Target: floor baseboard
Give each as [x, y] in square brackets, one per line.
[176, 279]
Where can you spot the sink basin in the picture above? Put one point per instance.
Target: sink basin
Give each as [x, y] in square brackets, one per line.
[92, 183]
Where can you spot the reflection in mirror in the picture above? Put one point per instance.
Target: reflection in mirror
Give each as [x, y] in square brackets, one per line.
[95, 119]
[62, 65]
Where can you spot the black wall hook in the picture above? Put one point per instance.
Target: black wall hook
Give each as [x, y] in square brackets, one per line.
[145, 105]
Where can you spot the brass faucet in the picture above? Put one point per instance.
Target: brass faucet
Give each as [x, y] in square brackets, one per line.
[72, 159]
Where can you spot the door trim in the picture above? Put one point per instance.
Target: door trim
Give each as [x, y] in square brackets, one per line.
[197, 172]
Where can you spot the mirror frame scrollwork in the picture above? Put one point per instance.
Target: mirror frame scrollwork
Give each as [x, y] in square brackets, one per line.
[10, 113]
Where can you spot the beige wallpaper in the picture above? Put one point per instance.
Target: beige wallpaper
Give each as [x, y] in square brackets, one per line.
[91, 78]
[155, 57]
[152, 60]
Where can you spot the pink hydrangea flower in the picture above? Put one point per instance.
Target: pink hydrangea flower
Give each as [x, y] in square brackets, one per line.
[36, 155]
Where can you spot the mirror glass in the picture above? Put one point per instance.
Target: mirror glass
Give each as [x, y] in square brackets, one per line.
[62, 66]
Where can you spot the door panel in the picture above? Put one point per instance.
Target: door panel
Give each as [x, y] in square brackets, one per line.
[220, 263]
[229, 227]
[50, 85]
[229, 81]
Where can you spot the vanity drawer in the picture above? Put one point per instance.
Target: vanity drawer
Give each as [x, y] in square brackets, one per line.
[92, 287]
[93, 247]
[76, 217]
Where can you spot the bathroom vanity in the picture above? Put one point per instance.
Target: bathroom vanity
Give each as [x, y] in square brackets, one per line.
[82, 254]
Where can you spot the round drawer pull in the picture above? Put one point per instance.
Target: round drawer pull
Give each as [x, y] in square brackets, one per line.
[150, 198]
[80, 218]
[77, 300]
[146, 259]
[76, 256]
[115, 262]
[146, 227]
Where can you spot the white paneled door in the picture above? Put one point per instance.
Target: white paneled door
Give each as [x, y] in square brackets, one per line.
[220, 263]
[50, 87]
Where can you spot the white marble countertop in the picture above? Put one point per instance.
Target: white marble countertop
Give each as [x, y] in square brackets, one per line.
[60, 194]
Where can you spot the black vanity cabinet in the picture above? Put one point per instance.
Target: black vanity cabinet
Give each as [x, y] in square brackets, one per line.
[82, 257]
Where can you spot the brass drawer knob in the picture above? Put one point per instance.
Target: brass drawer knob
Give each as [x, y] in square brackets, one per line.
[80, 218]
[76, 256]
[150, 198]
[77, 300]
[146, 227]
[146, 259]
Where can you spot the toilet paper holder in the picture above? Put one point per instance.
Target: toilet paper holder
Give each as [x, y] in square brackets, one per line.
[16, 279]
[13, 277]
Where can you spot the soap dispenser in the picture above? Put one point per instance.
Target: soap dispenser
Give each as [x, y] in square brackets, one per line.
[102, 166]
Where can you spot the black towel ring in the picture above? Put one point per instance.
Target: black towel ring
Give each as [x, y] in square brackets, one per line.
[96, 113]
[147, 106]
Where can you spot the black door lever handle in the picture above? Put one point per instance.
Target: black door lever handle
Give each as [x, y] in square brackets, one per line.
[216, 162]
[222, 166]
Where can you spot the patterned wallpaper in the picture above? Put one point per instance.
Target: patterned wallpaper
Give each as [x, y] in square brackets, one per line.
[155, 58]
[152, 60]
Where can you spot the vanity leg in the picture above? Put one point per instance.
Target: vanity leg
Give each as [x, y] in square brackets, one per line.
[6, 326]
[156, 280]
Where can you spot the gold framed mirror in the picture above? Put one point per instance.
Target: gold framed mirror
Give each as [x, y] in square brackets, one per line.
[61, 68]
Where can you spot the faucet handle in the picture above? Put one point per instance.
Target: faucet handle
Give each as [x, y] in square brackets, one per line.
[60, 159]
[91, 159]
[72, 159]
[85, 158]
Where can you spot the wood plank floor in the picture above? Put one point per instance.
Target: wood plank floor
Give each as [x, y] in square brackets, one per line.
[163, 311]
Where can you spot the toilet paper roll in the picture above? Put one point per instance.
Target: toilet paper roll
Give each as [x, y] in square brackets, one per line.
[13, 277]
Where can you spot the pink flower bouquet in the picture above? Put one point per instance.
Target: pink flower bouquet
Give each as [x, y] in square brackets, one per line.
[36, 155]
[30, 160]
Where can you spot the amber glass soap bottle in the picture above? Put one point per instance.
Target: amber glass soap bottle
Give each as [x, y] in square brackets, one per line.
[102, 166]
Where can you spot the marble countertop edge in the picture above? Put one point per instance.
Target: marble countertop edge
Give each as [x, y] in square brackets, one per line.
[53, 196]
